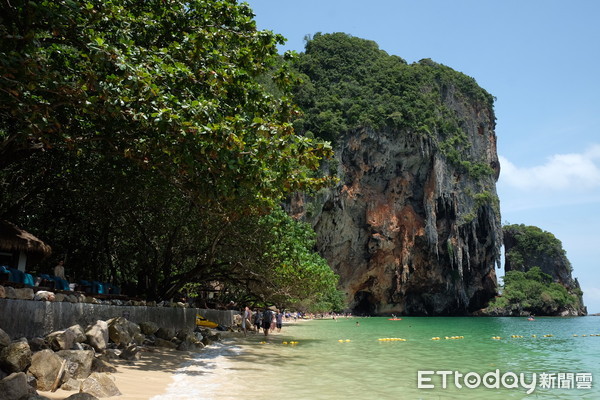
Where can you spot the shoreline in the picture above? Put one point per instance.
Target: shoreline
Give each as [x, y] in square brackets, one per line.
[154, 372]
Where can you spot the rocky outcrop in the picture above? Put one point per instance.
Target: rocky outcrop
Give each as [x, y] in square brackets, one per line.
[526, 247]
[23, 372]
[412, 228]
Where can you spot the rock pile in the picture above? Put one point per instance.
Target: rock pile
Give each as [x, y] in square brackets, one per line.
[79, 360]
[9, 292]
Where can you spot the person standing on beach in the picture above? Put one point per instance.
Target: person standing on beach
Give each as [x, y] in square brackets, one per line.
[258, 320]
[246, 319]
[279, 321]
[267, 316]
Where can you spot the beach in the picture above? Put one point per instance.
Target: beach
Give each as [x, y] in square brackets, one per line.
[142, 379]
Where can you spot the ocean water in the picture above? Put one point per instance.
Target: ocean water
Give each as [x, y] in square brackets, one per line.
[340, 359]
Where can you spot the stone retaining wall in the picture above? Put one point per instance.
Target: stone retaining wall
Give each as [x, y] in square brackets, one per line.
[26, 318]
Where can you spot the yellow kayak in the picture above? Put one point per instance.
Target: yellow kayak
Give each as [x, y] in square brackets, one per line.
[201, 321]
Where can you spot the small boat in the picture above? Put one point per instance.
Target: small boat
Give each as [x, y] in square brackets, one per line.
[530, 319]
[394, 319]
[201, 321]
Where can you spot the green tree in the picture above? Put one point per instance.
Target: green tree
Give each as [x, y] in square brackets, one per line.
[145, 140]
[168, 84]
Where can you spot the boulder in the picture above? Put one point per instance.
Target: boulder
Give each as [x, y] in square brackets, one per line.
[131, 353]
[45, 367]
[78, 333]
[59, 297]
[71, 298]
[97, 335]
[37, 344]
[165, 333]
[24, 294]
[100, 385]
[14, 386]
[61, 340]
[148, 327]
[15, 357]
[164, 343]
[71, 385]
[10, 292]
[101, 365]
[118, 331]
[44, 295]
[2, 292]
[190, 343]
[4, 339]
[34, 396]
[79, 362]
[81, 396]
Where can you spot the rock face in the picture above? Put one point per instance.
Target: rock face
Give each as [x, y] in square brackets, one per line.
[413, 226]
[403, 230]
[526, 247]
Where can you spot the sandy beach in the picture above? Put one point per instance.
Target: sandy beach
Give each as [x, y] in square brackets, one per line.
[143, 379]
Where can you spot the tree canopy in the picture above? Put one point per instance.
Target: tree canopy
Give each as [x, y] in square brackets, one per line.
[144, 141]
[350, 84]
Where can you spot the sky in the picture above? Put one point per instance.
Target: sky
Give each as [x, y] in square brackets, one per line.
[541, 61]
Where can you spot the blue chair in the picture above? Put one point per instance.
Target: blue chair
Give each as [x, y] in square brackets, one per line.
[17, 276]
[28, 280]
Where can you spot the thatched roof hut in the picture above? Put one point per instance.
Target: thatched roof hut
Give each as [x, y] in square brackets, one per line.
[17, 241]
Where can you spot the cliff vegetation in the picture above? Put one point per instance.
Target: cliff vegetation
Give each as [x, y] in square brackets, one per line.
[538, 276]
[412, 225]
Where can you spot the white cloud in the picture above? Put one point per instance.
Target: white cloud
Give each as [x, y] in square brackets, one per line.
[561, 171]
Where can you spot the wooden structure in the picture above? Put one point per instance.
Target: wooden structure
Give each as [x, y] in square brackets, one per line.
[18, 246]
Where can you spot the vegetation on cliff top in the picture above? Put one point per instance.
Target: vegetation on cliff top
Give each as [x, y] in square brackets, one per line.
[349, 84]
[531, 242]
[526, 286]
[534, 292]
[138, 139]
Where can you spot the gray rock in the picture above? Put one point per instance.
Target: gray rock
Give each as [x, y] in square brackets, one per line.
[24, 294]
[101, 365]
[78, 333]
[131, 353]
[37, 344]
[81, 396]
[165, 333]
[14, 386]
[97, 335]
[61, 340]
[100, 385]
[15, 357]
[45, 366]
[10, 292]
[58, 297]
[118, 331]
[34, 396]
[148, 327]
[79, 362]
[4, 339]
[71, 385]
[164, 343]
[71, 298]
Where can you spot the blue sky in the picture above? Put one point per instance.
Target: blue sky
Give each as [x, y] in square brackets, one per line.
[539, 58]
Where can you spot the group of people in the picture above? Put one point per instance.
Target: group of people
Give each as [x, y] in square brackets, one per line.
[267, 320]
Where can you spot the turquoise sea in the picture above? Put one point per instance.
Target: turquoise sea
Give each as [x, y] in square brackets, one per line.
[340, 359]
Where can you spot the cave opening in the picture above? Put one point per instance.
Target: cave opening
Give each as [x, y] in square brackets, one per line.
[364, 304]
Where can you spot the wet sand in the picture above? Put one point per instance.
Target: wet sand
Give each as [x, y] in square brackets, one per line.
[142, 379]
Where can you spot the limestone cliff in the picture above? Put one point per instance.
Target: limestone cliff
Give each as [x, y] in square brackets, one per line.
[529, 246]
[413, 226]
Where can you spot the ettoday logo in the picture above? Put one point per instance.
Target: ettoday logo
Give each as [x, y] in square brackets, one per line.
[509, 380]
